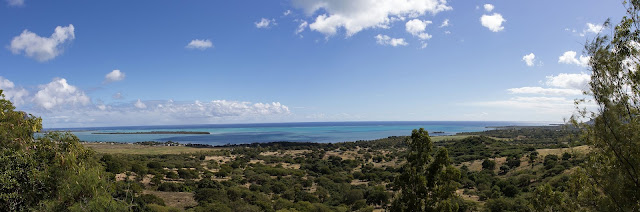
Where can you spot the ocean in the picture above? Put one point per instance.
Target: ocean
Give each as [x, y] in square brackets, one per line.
[321, 132]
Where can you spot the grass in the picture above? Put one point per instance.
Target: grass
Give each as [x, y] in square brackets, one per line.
[459, 137]
[579, 149]
[134, 149]
[179, 200]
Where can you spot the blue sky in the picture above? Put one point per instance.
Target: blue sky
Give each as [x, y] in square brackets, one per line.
[111, 63]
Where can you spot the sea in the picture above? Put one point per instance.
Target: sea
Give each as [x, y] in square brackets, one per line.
[320, 132]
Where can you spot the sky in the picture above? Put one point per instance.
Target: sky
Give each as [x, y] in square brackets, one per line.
[123, 63]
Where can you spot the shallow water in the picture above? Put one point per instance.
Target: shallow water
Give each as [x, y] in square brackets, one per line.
[322, 132]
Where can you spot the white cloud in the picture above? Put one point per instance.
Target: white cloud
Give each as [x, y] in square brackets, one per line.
[445, 23]
[529, 59]
[117, 96]
[199, 44]
[569, 57]
[572, 81]
[15, 94]
[386, 40]
[15, 3]
[58, 93]
[286, 13]
[488, 7]
[546, 91]
[64, 105]
[417, 27]
[113, 76]
[302, 27]
[555, 107]
[167, 112]
[139, 104]
[594, 28]
[265, 23]
[42, 48]
[357, 15]
[493, 22]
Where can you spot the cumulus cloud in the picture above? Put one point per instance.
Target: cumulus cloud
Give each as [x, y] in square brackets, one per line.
[58, 93]
[139, 104]
[386, 40]
[167, 112]
[286, 13]
[42, 48]
[569, 57]
[573, 81]
[15, 3]
[529, 59]
[546, 91]
[199, 44]
[356, 15]
[488, 7]
[64, 105]
[561, 85]
[113, 76]
[265, 23]
[17, 95]
[493, 22]
[417, 27]
[445, 23]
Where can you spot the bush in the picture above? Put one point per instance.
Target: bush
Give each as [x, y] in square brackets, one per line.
[488, 164]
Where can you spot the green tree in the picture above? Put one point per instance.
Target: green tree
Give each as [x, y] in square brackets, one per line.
[53, 172]
[488, 165]
[427, 183]
[532, 158]
[614, 130]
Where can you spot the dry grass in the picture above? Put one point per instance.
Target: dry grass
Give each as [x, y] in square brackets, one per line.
[475, 198]
[350, 155]
[135, 149]
[285, 153]
[180, 200]
[475, 165]
[579, 149]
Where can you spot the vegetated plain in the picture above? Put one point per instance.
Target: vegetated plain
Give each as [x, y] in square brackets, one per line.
[498, 169]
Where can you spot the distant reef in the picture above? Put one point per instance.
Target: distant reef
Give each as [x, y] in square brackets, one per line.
[152, 132]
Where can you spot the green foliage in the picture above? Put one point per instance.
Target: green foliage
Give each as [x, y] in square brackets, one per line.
[488, 165]
[614, 130]
[51, 173]
[426, 183]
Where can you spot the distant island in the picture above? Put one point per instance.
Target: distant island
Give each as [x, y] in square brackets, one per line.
[153, 132]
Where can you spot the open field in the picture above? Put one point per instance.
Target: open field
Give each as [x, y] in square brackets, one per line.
[579, 149]
[109, 148]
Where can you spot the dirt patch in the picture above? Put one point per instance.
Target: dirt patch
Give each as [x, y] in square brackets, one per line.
[290, 165]
[180, 200]
[146, 180]
[359, 182]
[253, 161]
[123, 176]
